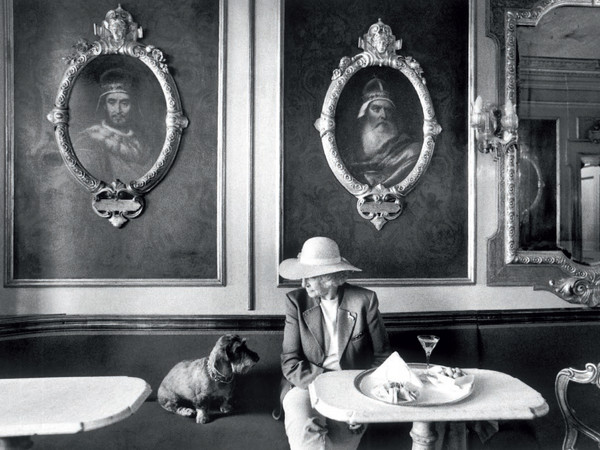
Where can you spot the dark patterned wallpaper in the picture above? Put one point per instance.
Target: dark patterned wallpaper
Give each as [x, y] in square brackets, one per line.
[57, 234]
[430, 239]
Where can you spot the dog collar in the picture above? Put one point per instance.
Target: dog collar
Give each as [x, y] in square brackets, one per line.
[217, 376]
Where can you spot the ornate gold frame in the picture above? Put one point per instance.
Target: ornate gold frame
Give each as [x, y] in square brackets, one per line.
[118, 34]
[379, 204]
[508, 264]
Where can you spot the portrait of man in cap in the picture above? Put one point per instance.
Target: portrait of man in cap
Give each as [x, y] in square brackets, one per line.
[383, 153]
[113, 149]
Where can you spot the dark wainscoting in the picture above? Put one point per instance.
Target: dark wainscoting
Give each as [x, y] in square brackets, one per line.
[23, 325]
[532, 345]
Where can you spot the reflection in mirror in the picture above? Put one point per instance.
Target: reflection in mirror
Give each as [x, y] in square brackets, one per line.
[590, 209]
[550, 222]
[537, 190]
[560, 82]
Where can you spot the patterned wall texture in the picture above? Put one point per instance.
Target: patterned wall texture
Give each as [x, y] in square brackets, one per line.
[430, 238]
[57, 234]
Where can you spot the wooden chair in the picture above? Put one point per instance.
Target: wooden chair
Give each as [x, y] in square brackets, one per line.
[574, 426]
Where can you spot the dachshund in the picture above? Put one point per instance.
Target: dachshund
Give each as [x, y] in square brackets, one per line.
[192, 386]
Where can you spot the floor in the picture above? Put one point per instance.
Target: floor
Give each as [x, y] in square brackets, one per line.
[152, 428]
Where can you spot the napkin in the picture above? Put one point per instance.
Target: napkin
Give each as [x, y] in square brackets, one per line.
[394, 369]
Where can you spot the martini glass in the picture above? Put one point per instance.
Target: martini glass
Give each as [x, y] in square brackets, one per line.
[428, 342]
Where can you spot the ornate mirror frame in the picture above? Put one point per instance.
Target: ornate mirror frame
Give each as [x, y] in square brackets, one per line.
[508, 264]
[118, 34]
[378, 204]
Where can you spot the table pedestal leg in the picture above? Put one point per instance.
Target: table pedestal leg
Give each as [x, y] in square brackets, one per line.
[16, 443]
[423, 435]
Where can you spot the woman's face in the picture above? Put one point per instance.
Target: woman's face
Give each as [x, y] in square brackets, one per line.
[315, 287]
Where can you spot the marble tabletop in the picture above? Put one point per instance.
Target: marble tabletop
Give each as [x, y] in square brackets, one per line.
[30, 406]
[495, 396]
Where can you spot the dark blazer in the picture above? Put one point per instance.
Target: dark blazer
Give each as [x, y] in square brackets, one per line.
[363, 341]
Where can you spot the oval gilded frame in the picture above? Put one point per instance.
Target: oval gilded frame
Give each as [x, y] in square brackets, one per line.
[378, 203]
[118, 201]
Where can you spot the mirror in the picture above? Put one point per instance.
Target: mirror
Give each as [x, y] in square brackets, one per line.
[549, 233]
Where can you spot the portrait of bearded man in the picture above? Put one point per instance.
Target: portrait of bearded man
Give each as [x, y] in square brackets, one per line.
[384, 154]
[113, 148]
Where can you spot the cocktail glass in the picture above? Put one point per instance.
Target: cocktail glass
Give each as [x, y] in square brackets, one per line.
[428, 342]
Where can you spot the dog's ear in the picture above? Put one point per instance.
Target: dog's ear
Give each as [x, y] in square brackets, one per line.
[235, 345]
[223, 347]
[220, 355]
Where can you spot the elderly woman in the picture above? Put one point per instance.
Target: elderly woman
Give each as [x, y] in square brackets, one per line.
[329, 325]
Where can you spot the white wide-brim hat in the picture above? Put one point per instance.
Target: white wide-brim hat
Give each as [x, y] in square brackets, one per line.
[319, 256]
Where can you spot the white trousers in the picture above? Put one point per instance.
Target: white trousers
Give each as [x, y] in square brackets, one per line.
[306, 429]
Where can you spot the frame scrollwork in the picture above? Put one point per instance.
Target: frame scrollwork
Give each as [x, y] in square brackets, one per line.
[377, 203]
[118, 34]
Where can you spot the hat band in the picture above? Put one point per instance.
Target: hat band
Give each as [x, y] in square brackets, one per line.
[115, 91]
[365, 105]
[319, 261]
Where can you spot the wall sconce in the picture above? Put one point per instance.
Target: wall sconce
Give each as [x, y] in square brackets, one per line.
[495, 127]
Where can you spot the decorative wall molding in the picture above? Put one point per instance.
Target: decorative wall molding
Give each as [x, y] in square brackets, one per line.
[189, 240]
[15, 327]
[442, 248]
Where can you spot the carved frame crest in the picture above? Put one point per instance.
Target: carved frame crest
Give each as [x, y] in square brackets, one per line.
[377, 203]
[118, 34]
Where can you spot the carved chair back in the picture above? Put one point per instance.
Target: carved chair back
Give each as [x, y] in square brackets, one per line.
[574, 426]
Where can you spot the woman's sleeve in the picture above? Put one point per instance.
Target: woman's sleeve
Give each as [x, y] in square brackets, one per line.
[379, 336]
[294, 365]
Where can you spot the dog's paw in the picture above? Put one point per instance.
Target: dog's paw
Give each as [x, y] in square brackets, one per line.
[226, 409]
[202, 416]
[186, 412]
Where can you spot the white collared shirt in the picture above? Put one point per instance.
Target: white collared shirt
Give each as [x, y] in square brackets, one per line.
[329, 308]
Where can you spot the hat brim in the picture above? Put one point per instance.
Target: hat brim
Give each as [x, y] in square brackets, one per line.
[293, 269]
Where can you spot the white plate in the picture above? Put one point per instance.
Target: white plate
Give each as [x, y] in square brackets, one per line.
[431, 394]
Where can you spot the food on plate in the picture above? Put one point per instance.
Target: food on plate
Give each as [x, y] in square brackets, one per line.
[450, 372]
[450, 377]
[394, 392]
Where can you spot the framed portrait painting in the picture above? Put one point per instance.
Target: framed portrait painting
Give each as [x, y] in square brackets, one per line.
[112, 118]
[97, 108]
[377, 97]
[387, 172]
